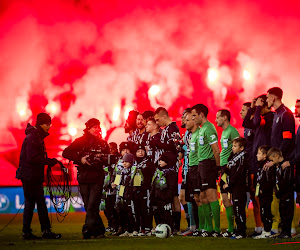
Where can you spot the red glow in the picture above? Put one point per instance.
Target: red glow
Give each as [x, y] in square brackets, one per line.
[154, 90]
[83, 59]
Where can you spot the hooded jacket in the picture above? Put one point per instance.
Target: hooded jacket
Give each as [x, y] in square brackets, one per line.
[33, 155]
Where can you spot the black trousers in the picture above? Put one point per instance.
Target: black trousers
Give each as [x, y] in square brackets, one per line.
[110, 211]
[265, 211]
[126, 215]
[165, 213]
[34, 194]
[286, 210]
[91, 194]
[239, 199]
[142, 210]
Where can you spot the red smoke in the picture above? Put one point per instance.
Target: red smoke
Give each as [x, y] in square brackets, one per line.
[92, 57]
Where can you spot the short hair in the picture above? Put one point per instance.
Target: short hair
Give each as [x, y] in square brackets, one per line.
[187, 110]
[247, 104]
[147, 114]
[274, 151]
[264, 149]
[113, 144]
[264, 97]
[152, 120]
[241, 141]
[276, 91]
[225, 112]
[200, 108]
[161, 111]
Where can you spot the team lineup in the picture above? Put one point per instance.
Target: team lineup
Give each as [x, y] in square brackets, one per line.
[138, 180]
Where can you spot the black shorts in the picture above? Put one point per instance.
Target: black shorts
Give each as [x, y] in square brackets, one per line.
[192, 181]
[183, 185]
[176, 191]
[208, 173]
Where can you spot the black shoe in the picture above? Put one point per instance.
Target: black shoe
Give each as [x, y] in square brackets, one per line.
[86, 235]
[48, 234]
[238, 236]
[227, 234]
[254, 234]
[30, 236]
[216, 234]
[119, 232]
[196, 233]
[205, 234]
[284, 236]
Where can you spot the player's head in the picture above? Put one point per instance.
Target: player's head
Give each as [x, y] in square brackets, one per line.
[189, 122]
[199, 112]
[244, 110]
[183, 117]
[151, 125]
[161, 116]
[238, 145]
[274, 95]
[140, 122]
[262, 152]
[130, 123]
[275, 155]
[223, 116]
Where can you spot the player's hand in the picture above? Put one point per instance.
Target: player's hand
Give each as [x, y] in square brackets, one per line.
[84, 160]
[225, 186]
[259, 102]
[113, 185]
[285, 165]
[268, 165]
[253, 103]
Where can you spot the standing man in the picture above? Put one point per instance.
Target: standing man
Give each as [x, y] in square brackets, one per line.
[130, 125]
[166, 143]
[283, 137]
[228, 135]
[249, 136]
[295, 161]
[90, 174]
[33, 159]
[209, 159]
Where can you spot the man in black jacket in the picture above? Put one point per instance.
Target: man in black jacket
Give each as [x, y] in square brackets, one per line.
[33, 158]
[86, 152]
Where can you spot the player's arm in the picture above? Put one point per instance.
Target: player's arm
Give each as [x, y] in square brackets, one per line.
[248, 122]
[216, 152]
[288, 127]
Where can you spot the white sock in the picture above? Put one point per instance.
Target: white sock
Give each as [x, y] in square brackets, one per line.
[274, 231]
[193, 227]
[293, 230]
[258, 229]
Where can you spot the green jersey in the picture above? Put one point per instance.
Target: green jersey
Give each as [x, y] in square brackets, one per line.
[227, 137]
[193, 155]
[207, 136]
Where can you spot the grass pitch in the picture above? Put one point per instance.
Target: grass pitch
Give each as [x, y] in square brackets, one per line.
[70, 228]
